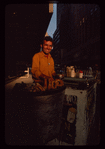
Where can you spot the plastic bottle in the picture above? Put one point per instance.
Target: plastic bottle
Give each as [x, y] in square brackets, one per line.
[80, 74]
[72, 72]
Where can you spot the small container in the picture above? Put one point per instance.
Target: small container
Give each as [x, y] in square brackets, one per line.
[68, 71]
[80, 74]
[72, 71]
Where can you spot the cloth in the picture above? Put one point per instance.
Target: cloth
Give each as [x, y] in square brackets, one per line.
[42, 65]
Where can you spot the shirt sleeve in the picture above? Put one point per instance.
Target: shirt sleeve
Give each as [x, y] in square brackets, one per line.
[35, 66]
[53, 71]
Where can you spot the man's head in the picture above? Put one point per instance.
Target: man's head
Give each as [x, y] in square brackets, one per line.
[47, 44]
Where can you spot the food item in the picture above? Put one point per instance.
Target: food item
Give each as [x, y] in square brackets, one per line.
[34, 90]
[37, 89]
[49, 84]
[54, 85]
[40, 87]
[59, 82]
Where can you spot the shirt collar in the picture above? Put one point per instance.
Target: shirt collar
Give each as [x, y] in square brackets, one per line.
[49, 55]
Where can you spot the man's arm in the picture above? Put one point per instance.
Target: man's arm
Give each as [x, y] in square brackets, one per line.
[35, 67]
[54, 75]
[53, 71]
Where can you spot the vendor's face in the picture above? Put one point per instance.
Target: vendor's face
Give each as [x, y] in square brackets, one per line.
[47, 47]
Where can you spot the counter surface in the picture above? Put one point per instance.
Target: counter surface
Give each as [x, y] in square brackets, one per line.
[79, 83]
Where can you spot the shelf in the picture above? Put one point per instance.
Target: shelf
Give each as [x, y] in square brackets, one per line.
[79, 79]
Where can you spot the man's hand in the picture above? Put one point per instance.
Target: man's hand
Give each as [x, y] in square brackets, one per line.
[46, 80]
[54, 74]
[61, 76]
[45, 77]
[42, 76]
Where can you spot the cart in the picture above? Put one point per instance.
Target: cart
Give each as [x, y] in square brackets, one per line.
[80, 94]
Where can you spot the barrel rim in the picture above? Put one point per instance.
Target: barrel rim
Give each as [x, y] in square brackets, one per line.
[48, 92]
[40, 93]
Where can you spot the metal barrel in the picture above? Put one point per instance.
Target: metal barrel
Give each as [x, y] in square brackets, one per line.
[36, 117]
[47, 115]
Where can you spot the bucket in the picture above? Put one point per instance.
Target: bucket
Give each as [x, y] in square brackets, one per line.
[41, 114]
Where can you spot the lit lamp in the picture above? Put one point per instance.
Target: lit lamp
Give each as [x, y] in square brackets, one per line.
[27, 75]
[27, 72]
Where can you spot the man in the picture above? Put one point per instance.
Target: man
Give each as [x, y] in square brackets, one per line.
[42, 62]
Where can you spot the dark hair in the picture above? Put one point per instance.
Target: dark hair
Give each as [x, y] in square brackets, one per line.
[48, 38]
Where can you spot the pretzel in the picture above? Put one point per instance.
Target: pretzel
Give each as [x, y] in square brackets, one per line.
[40, 87]
[37, 89]
[49, 84]
[59, 82]
[54, 85]
[34, 90]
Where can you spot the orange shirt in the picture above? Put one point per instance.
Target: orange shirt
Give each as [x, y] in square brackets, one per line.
[42, 65]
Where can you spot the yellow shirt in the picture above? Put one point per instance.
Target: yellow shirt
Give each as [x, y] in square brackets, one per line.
[42, 65]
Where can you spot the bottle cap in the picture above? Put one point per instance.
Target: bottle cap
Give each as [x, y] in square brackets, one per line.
[80, 71]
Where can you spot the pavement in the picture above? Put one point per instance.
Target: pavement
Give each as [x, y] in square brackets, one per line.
[25, 79]
[56, 142]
